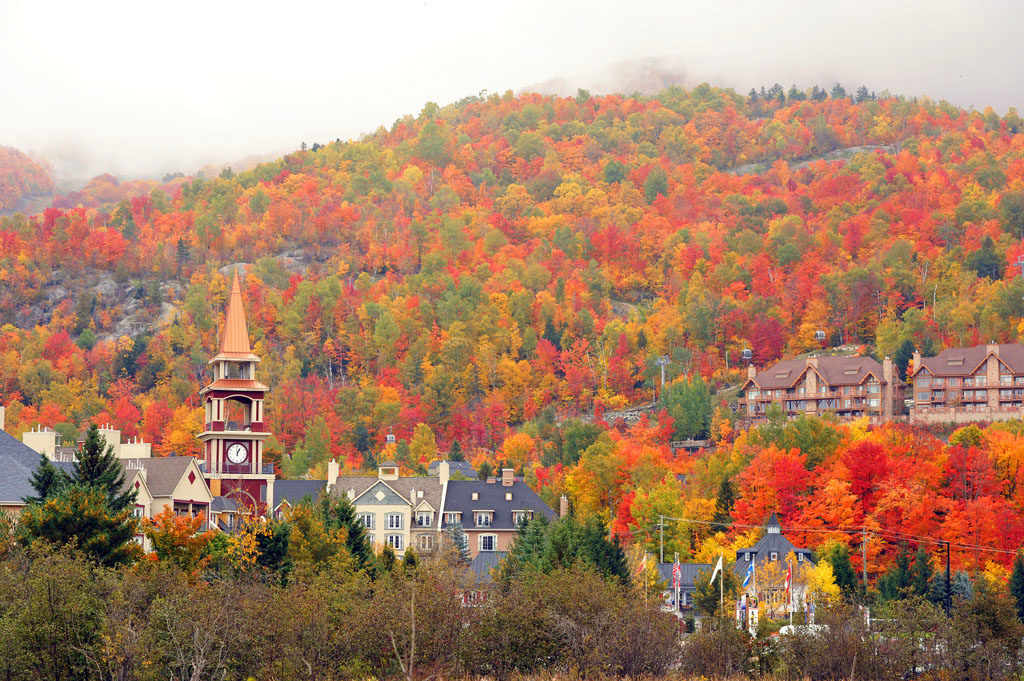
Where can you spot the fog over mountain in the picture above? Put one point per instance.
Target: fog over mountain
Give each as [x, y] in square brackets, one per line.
[142, 90]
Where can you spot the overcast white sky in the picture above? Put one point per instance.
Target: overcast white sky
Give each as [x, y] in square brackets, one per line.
[143, 88]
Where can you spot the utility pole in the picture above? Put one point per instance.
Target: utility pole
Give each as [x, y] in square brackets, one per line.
[949, 585]
[661, 531]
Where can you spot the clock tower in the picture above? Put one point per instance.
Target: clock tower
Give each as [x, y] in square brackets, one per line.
[233, 431]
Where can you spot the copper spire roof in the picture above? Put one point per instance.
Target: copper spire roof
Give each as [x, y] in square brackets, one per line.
[234, 335]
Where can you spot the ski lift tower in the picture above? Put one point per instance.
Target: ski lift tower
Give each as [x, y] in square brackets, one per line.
[662, 362]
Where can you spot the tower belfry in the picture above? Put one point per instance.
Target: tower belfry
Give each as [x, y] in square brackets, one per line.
[233, 431]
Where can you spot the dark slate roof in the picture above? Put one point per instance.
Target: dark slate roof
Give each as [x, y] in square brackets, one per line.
[964, 361]
[688, 576]
[463, 467]
[492, 498]
[17, 463]
[484, 563]
[224, 505]
[773, 540]
[294, 491]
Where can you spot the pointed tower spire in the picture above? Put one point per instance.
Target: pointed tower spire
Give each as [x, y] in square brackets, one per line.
[234, 335]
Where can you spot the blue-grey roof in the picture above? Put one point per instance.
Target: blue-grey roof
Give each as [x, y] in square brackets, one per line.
[17, 463]
[688, 574]
[463, 467]
[772, 541]
[484, 563]
[224, 505]
[294, 491]
[492, 498]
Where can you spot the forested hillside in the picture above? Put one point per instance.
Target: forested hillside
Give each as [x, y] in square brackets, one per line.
[483, 271]
[21, 179]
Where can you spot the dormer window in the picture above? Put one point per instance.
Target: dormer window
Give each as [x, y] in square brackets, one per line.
[746, 556]
[475, 496]
[519, 517]
[774, 555]
[508, 496]
[483, 518]
[424, 519]
[799, 557]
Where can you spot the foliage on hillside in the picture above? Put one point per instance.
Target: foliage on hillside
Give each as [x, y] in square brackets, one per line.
[21, 177]
[485, 270]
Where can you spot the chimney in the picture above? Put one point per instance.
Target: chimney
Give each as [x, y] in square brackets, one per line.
[993, 348]
[563, 506]
[887, 372]
[751, 371]
[443, 473]
[917, 360]
[507, 477]
[812, 361]
[332, 474]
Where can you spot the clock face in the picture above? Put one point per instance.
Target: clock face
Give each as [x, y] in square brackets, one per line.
[237, 453]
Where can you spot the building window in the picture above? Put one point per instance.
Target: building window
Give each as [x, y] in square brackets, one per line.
[488, 542]
[774, 555]
[923, 382]
[453, 518]
[508, 496]
[425, 542]
[394, 521]
[424, 518]
[746, 556]
[367, 520]
[873, 388]
[521, 516]
[137, 512]
[369, 539]
[475, 496]
[396, 541]
[483, 518]
[980, 381]
[799, 557]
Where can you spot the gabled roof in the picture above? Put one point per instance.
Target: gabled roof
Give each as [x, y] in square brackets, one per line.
[163, 473]
[833, 371]
[463, 467]
[293, 492]
[17, 463]
[409, 488]
[687, 576]
[234, 335]
[491, 497]
[966, 361]
[483, 565]
[772, 541]
[224, 505]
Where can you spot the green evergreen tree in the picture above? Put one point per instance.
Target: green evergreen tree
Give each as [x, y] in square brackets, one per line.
[46, 480]
[708, 595]
[386, 560]
[455, 452]
[723, 505]
[339, 513]
[688, 402]
[80, 516]
[895, 584]
[921, 573]
[963, 587]
[1016, 584]
[607, 556]
[838, 556]
[98, 467]
[460, 541]
[409, 561]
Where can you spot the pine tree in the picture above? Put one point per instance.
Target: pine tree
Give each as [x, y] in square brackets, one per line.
[340, 513]
[963, 587]
[1017, 583]
[46, 480]
[409, 561]
[386, 560]
[921, 573]
[98, 467]
[80, 515]
[455, 452]
[838, 556]
[460, 541]
[895, 583]
[723, 504]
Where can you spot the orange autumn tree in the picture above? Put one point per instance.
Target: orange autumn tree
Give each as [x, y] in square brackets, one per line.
[177, 539]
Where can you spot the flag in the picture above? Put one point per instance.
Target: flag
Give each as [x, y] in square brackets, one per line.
[677, 574]
[643, 565]
[750, 574]
[789, 579]
[718, 569]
